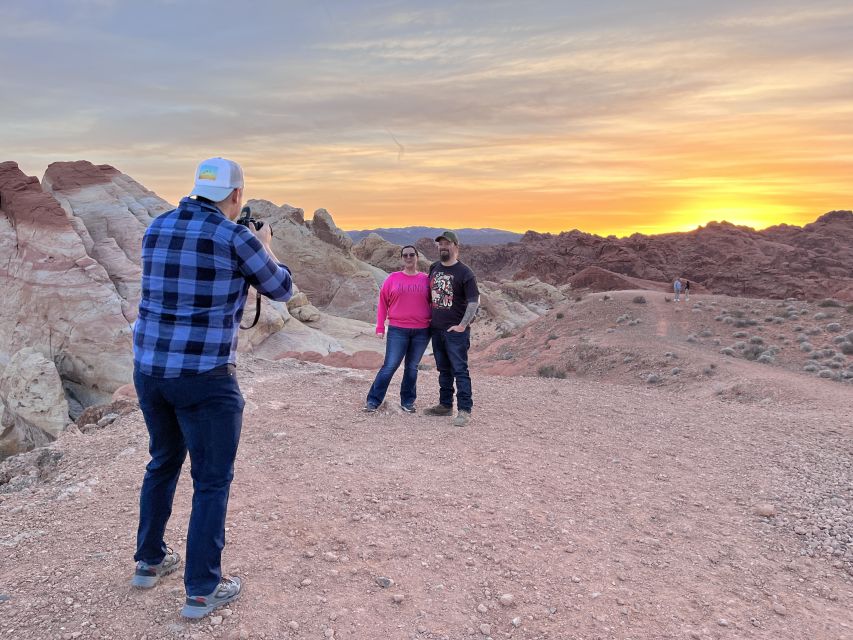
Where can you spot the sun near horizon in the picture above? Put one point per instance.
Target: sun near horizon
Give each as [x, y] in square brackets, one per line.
[607, 117]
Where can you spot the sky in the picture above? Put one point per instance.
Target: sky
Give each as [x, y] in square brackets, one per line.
[609, 117]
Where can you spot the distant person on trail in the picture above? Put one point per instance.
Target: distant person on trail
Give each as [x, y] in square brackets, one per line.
[197, 265]
[455, 300]
[404, 301]
[687, 290]
[677, 288]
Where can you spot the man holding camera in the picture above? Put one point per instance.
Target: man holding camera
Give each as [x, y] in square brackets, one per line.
[197, 265]
[455, 300]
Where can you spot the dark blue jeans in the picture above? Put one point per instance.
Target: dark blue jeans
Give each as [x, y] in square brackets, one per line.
[451, 359]
[202, 414]
[408, 344]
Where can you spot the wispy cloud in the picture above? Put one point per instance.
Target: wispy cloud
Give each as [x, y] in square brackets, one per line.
[548, 115]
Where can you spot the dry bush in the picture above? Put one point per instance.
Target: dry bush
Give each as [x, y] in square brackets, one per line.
[639, 300]
[550, 371]
[829, 302]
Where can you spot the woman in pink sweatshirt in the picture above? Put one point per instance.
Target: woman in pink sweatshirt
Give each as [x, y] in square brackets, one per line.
[405, 301]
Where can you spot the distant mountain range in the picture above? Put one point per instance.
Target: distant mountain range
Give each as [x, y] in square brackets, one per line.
[404, 235]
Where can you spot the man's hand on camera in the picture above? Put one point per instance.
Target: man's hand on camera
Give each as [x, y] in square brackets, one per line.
[264, 234]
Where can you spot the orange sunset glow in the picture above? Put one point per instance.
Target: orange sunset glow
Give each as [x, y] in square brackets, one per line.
[612, 119]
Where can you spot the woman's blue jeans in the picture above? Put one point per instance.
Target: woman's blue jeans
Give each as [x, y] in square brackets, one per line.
[400, 344]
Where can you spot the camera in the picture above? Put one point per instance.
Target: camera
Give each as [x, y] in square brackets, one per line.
[246, 219]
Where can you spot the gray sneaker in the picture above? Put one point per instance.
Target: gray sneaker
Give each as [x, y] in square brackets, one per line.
[461, 418]
[438, 410]
[148, 575]
[199, 606]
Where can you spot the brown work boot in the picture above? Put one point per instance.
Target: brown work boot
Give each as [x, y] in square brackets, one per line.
[438, 410]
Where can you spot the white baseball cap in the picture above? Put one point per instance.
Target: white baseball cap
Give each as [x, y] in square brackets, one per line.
[216, 178]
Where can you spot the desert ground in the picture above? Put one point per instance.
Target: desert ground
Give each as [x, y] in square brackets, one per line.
[714, 502]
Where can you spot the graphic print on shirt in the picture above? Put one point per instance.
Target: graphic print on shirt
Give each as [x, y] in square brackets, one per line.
[442, 290]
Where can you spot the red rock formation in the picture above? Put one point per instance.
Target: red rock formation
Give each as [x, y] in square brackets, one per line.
[809, 262]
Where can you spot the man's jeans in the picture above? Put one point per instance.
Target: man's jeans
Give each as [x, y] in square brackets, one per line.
[451, 359]
[408, 344]
[202, 414]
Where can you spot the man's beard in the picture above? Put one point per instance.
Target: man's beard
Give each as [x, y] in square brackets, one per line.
[444, 254]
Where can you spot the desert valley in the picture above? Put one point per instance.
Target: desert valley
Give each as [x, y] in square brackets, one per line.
[636, 468]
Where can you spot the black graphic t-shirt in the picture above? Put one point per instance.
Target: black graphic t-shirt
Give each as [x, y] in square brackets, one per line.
[451, 288]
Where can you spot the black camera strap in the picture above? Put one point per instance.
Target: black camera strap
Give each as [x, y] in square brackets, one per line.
[257, 311]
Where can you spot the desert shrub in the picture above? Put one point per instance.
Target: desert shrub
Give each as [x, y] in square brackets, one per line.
[827, 353]
[833, 327]
[847, 348]
[813, 331]
[708, 371]
[716, 342]
[706, 333]
[550, 371]
[505, 355]
[634, 322]
[806, 346]
[692, 338]
[850, 308]
[729, 320]
[727, 351]
[811, 367]
[768, 319]
[737, 313]
[829, 302]
[578, 298]
[752, 352]
[622, 318]
[653, 378]
[833, 365]
[798, 328]
[778, 320]
[639, 300]
[552, 336]
[740, 345]
[756, 340]
[850, 337]
[718, 318]
[739, 334]
[627, 360]
[675, 371]
[560, 316]
[820, 315]
[765, 359]
[606, 297]
[825, 373]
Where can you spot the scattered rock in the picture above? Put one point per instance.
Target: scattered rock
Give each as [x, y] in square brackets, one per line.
[765, 510]
[384, 582]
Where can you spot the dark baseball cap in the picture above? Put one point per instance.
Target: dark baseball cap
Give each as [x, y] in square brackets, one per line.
[448, 235]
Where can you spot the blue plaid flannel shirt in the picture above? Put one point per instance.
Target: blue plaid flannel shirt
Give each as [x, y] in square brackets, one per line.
[196, 270]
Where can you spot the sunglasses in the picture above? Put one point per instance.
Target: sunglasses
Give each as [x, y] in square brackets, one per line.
[409, 255]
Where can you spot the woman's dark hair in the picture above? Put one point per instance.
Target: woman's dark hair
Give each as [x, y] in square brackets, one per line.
[409, 246]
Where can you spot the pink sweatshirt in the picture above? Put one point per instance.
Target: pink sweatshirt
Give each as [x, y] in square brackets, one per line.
[404, 300]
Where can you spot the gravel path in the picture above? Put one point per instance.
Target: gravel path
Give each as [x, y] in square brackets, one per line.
[567, 509]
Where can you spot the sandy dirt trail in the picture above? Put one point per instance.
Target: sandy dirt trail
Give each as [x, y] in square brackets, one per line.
[603, 511]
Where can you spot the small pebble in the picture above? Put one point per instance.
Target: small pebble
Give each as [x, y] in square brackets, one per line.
[293, 625]
[482, 608]
[765, 510]
[384, 582]
[516, 622]
[507, 599]
[485, 629]
[305, 582]
[398, 598]
[215, 621]
[780, 609]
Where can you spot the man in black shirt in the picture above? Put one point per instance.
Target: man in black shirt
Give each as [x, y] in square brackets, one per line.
[455, 300]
